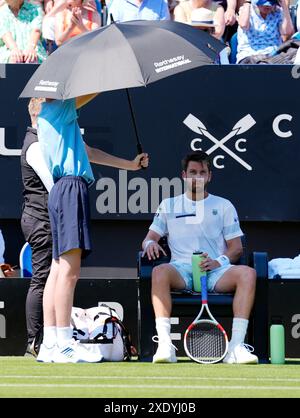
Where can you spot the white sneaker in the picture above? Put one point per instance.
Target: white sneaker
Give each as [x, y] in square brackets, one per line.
[46, 354]
[241, 354]
[165, 352]
[75, 352]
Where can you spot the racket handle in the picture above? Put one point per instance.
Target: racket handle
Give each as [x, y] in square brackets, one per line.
[203, 287]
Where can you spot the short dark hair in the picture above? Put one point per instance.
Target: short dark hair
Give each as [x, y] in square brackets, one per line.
[197, 156]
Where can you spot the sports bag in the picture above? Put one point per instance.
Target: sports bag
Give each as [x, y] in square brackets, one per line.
[102, 328]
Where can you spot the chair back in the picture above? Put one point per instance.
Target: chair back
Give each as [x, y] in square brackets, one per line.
[25, 261]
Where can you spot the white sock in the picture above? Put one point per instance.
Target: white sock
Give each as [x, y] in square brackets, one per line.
[49, 338]
[163, 327]
[64, 335]
[239, 330]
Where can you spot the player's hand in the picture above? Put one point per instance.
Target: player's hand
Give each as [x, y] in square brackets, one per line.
[153, 250]
[141, 160]
[208, 263]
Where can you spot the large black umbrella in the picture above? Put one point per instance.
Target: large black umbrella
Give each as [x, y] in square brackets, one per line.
[122, 55]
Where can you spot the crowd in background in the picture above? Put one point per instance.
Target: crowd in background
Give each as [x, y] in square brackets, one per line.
[253, 30]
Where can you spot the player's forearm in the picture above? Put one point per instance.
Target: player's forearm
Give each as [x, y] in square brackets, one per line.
[98, 156]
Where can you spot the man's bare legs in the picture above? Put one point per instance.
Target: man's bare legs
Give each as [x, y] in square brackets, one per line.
[164, 278]
[241, 280]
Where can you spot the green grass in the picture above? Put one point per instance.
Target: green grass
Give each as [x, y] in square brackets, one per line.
[23, 377]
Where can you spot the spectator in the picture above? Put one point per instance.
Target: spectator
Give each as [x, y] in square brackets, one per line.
[125, 10]
[74, 20]
[35, 223]
[217, 234]
[20, 33]
[210, 13]
[261, 27]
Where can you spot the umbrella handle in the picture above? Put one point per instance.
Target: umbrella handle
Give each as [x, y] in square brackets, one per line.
[140, 151]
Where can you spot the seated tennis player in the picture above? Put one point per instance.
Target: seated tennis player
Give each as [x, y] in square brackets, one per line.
[199, 221]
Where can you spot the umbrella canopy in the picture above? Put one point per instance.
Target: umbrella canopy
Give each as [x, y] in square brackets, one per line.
[122, 55]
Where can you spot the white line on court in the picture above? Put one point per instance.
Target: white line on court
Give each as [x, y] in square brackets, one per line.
[214, 387]
[255, 379]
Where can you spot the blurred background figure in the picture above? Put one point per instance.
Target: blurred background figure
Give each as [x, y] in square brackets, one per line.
[205, 14]
[124, 10]
[20, 33]
[263, 25]
[74, 20]
[35, 223]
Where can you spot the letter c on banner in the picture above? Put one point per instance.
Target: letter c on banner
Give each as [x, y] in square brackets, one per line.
[194, 146]
[276, 128]
[216, 158]
[237, 145]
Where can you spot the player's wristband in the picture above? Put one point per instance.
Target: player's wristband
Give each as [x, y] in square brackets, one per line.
[147, 243]
[223, 260]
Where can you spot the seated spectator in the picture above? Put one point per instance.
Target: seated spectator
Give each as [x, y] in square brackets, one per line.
[48, 31]
[209, 12]
[5, 269]
[125, 10]
[20, 33]
[262, 25]
[75, 19]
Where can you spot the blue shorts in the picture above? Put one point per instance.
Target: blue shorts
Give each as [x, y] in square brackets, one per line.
[69, 214]
[185, 271]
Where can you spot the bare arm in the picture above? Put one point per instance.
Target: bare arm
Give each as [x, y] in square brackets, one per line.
[16, 53]
[230, 16]
[151, 247]
[244, 16]
[219, 21]
[98, 156]
[30, 54]
[286, 28]
[233, 252]
[62, 32]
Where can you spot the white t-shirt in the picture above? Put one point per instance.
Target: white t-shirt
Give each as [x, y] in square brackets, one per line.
[35, 159]
[196, 226]
[2, 248]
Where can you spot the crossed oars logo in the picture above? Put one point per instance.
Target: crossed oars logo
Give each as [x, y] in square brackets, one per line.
[240, 127]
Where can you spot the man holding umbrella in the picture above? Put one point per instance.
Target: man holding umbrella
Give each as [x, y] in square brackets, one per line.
[67, 158]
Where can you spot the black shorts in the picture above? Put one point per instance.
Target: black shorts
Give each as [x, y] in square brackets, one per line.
[69, 213]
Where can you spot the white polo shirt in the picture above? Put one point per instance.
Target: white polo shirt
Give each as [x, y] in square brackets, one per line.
[196, 226]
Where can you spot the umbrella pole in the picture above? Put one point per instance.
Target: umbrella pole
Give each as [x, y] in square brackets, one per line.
[138, 143]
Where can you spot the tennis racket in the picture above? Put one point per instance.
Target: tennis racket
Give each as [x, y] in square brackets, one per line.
[205, 340]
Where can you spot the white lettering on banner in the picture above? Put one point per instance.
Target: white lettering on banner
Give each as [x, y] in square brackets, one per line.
[296, 328]
[242, 126]
[2, 322]
[215, 161]
[3, 149]
[237, 145]
[277, 131]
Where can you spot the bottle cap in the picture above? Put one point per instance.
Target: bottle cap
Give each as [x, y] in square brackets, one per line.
[198, 252]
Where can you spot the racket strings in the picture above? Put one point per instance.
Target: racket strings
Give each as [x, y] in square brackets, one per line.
[206, 342]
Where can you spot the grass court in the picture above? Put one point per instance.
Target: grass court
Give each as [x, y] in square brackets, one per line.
[23, 377]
